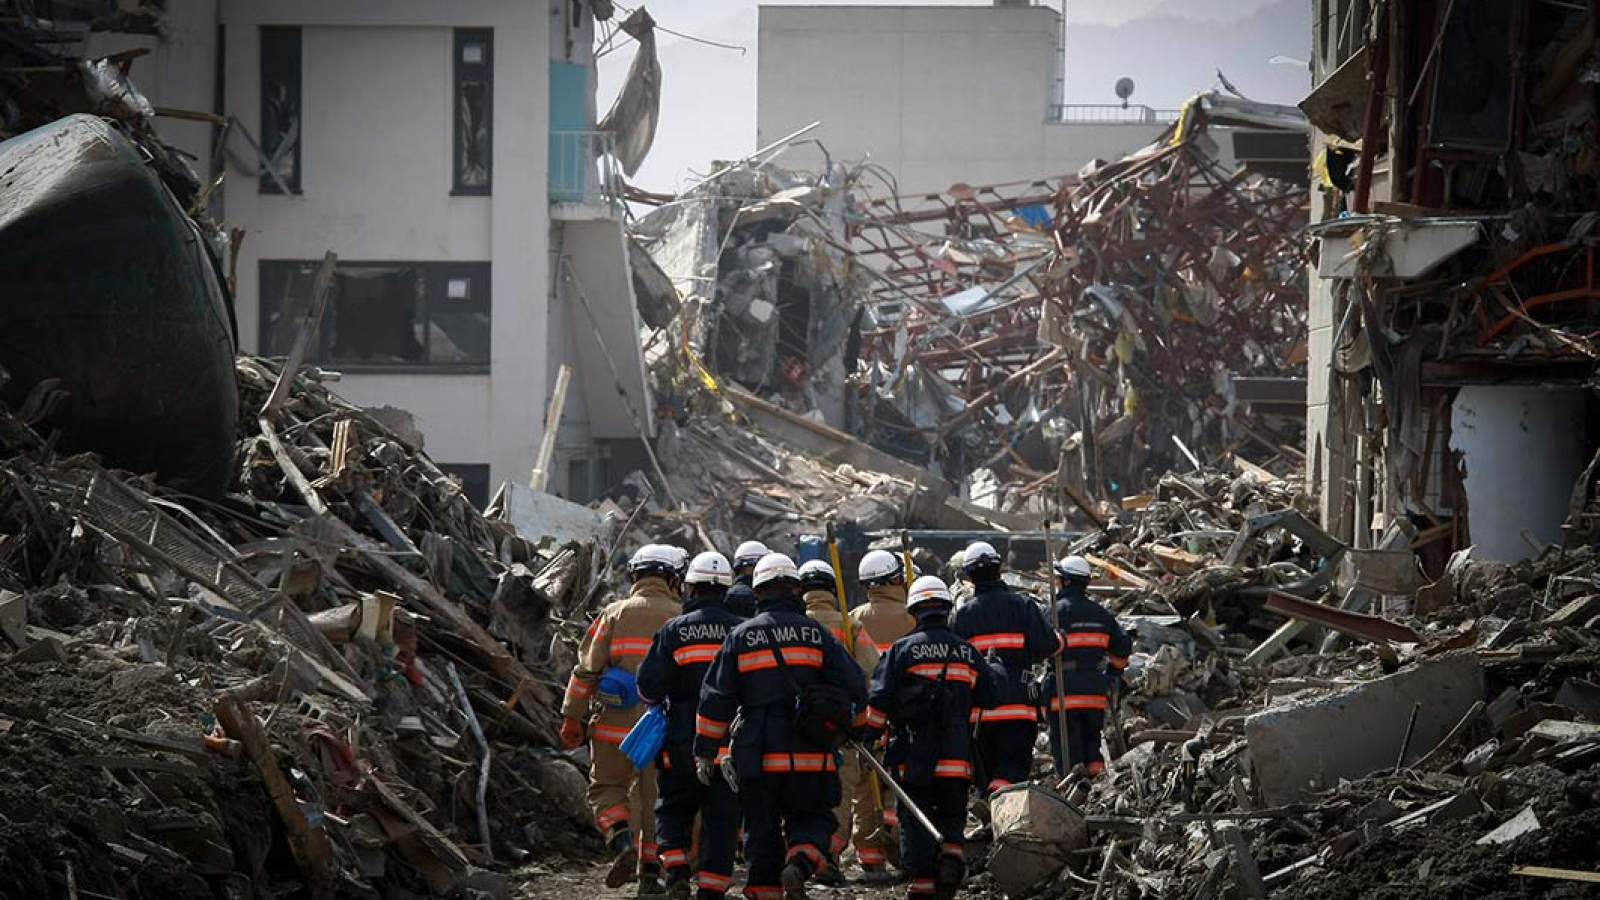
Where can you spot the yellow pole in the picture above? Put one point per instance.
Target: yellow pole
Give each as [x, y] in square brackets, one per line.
[838, 592]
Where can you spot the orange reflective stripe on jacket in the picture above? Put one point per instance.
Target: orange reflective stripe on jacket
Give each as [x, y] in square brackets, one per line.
[948, 672]
[756, 660]
[1000, 640]
[694, 654]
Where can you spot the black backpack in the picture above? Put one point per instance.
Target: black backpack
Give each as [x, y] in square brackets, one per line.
[823, 713]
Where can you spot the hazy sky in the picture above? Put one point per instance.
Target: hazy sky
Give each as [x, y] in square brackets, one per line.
[1171, 48]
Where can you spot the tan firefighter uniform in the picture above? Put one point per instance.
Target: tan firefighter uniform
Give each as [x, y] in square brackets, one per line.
[859, 804]
[619, 794]
[885, 619]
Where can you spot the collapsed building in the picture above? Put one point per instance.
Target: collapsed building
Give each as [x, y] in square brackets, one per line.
[1076, 330]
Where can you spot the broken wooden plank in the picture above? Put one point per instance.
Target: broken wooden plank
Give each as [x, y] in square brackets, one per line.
[1561, 874]
[1179, 562]
[1119, 573]
[309, 843]
[321, 287]
[1373, 629]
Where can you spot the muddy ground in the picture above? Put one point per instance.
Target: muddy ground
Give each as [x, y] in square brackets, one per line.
[586, 883]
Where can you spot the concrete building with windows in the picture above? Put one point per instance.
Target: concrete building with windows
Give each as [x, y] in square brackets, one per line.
[936, 95]
[448, 154]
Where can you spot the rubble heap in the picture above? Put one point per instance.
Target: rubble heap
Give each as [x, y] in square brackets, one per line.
[1091, 328]
[1099, 318]
[1307, 719]
[339, 676]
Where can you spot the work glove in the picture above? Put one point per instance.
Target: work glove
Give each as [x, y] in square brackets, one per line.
[730, 773]
[1038, 693]
[571, 733]
[703, 769]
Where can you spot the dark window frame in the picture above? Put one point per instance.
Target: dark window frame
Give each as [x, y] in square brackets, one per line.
[287, 70]
[272, 289]
[468, 74]
[474, 478]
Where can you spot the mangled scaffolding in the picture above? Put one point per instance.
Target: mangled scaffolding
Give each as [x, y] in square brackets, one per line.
[1094, 324]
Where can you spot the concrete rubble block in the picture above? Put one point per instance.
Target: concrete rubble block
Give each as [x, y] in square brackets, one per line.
[1522, 823]
[1035, 833]
[1576, 612]
[1310, 743]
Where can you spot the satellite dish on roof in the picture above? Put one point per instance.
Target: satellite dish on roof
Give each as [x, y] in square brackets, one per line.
[1124, 90]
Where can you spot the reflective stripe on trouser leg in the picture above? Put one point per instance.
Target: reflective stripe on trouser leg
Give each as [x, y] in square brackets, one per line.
[610, 791]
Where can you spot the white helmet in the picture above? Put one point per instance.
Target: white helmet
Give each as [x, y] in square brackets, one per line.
[928, 590]
[749, 553]
[683, 559]
[1073, 566]
[979, 553]
[774, 567]
[654, 559]
[710, 567]
[881, 567]
[817, 571]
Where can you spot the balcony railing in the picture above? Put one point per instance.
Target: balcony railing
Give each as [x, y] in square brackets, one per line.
[1111, 114]
[584, 171]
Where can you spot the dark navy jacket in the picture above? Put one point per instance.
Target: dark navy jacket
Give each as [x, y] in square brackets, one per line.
[924, 691]
[1000, 620]
[746, 681]
[675, 668]
[741, 598]
[1094, 641]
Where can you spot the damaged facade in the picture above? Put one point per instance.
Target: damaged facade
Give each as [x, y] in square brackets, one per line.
[1451, 359]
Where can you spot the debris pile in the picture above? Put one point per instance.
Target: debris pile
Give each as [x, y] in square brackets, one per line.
[1102, 321]
[1094, 329]
[339, 676]
[752, 276]
[1317, 720]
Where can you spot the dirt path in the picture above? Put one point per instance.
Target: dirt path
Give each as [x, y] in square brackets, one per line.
[589, 884]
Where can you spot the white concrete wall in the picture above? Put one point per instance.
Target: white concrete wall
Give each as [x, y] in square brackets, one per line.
[1068, 147]
[1524, 449]
[937, 95]
[925, 91]
[376, 179]
[178, 73]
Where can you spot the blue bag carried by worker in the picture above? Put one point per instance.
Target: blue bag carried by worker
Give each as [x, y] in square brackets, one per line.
[644, 742]
[618, 689]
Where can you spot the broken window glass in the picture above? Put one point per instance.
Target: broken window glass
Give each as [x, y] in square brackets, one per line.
[474, 110]
[280, 110]
[383, 315]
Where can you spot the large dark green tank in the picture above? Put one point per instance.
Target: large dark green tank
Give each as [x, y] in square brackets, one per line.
[108, 286]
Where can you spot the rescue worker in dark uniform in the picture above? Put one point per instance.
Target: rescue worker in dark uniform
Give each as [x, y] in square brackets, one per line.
[788, 785]
[1011, 630]
[1095, 642]
[673, 672]
[924, 691]
[742, 596]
